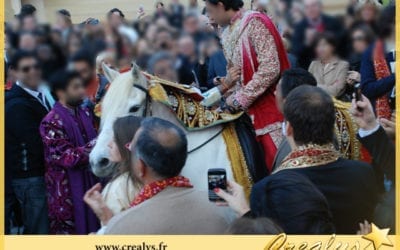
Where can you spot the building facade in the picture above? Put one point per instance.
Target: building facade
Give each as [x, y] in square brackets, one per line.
[82, 9]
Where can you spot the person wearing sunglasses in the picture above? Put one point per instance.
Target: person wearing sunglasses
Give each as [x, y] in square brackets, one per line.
[25, 106]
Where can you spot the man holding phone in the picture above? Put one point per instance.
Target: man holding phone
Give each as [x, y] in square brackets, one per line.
[167, 203]
[350, 187]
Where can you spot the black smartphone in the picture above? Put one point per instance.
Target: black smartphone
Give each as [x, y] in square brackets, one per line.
[216, 179]
[357, 92]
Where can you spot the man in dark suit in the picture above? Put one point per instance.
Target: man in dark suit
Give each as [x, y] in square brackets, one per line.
[306, 31]
[25, 107]
[350, 187]
[291, 79]
[373, 137]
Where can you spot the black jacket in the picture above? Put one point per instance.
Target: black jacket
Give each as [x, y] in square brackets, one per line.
[349, 187]
[305, 53]
[24, 156]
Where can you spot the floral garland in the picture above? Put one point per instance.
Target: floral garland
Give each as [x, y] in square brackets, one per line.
[152, 189]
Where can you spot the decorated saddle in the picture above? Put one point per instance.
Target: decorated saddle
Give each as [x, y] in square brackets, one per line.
[244, 152]
[346, 134]
[184, 101]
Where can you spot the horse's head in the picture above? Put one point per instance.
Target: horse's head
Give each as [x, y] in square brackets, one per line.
[126, 95]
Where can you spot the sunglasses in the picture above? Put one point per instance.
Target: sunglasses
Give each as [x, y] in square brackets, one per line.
[358, 38]
[27, 69]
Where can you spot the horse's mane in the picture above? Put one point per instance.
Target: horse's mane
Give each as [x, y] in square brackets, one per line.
[115, 100]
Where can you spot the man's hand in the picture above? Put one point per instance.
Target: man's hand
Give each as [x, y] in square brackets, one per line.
[233, 76]
[235, 198]
[389, 126]
[311, 33]
[94, 200]
[353, 77]
[365, 228]
[364, 114]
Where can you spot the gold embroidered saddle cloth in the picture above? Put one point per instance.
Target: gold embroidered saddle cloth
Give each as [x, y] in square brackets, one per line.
[346, 131]
[184, 101]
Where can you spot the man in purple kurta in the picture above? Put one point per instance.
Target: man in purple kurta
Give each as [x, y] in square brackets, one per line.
[69, 135]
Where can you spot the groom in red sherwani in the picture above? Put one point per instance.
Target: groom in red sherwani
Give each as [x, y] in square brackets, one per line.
[256, 58]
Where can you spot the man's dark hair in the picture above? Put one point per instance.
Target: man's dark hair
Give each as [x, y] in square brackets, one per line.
[83, 55]
[27, 10]
[229, 4]
[19, 56]
[295, 77]
[61, 79]
[112, 11]
[296, 204]
[162, 146]
[191, 15]
[154, 59]
[311, 114]
[386, 21]
[64, 12]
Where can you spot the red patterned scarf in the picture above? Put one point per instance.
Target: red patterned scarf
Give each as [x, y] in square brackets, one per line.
[381, 71]
[310, 155]
[152, 189]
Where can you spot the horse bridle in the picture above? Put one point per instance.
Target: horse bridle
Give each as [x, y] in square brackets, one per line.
[148, 101]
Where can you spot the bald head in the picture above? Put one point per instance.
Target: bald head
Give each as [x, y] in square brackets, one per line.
[162, 146]
[313, 9]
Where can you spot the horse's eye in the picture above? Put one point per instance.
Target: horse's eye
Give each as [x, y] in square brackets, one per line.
[134, 109]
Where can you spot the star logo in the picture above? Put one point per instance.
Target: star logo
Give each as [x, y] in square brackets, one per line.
[378, 237]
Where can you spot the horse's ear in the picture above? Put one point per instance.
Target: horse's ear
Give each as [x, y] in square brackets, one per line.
[110, 73]
[135, 70]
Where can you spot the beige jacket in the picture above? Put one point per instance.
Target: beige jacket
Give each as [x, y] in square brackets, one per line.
[331, 77]
[173, 211]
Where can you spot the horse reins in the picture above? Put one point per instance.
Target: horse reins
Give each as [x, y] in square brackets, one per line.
[206, 142]
[147, 98]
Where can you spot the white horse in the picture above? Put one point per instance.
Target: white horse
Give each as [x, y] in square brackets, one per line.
[127, 94]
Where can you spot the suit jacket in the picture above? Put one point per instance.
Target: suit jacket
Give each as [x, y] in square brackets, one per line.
[305, 53]
[331, 77]
[284, 150]
[350, 188]
[382, 151]
[172, 211]
[24, 155]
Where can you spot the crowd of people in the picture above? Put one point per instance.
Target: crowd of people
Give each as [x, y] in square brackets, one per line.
[318, 90]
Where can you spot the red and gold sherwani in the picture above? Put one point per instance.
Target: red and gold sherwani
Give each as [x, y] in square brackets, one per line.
[253, 43]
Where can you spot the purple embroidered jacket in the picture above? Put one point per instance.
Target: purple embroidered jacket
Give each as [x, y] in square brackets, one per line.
[68, 136]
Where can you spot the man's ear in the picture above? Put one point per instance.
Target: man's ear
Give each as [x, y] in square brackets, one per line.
[141, 168]
[59, 94]
[289, 129]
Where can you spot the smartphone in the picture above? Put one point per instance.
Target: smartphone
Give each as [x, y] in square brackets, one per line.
[216, 179]
[358, 94]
